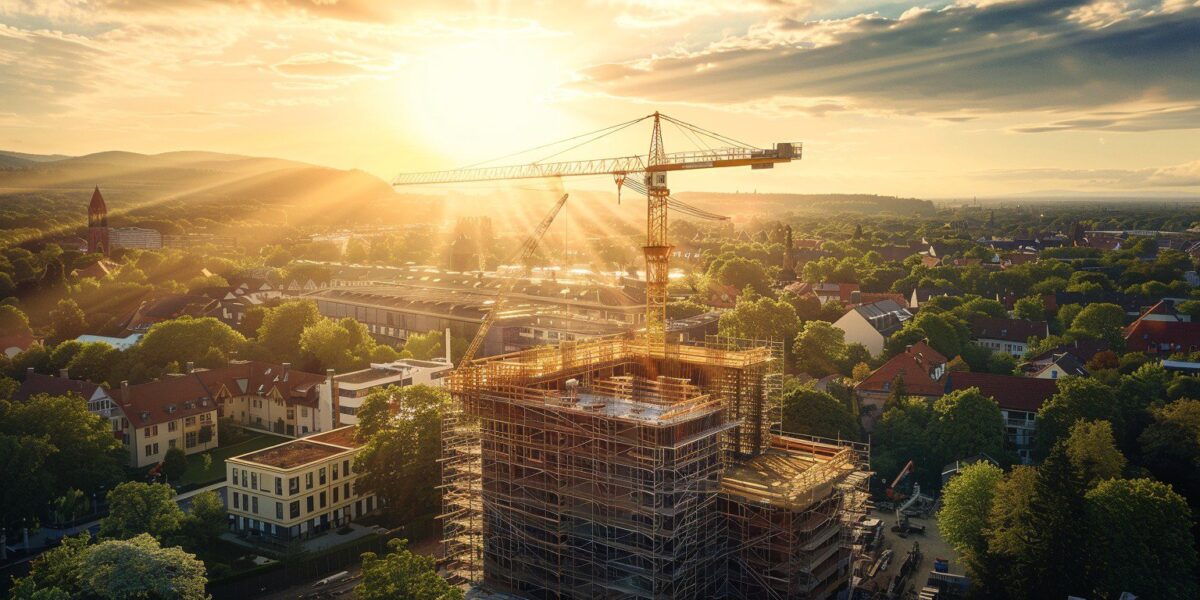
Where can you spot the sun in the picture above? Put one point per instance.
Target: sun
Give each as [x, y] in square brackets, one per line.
[476, 100]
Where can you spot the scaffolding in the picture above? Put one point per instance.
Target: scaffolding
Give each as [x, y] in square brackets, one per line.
[596, 469]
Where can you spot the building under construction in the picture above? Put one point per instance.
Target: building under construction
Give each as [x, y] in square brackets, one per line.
[601, 469]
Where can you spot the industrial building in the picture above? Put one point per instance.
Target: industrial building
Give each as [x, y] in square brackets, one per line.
[617, 469]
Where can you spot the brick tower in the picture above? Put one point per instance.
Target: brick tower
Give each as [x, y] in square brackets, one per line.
[98, 224]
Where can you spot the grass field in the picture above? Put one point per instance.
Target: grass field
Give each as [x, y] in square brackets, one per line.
[196, 474]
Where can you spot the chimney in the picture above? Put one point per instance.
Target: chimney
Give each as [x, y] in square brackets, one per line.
[124, 391]
[287, 367]
[191, 367]
[908, 349]
[335, 400]
[855, 297]
[62, 373]
[448, 361]
[28, 372]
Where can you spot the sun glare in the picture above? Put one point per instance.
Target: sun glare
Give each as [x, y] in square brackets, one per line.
[469, 100]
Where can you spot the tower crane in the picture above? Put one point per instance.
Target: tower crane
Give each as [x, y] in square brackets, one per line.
[524, 253]
[652, 168]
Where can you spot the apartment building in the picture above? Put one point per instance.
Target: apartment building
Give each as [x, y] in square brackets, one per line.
[296, 489]
[1010, 336]
[354, 387]
[1019, 399]
[175, 412]
[273, 397]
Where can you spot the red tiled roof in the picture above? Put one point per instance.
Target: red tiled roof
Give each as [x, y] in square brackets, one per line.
[36, 383]
[1010, 392]
[1009, 330]
[1144, 335]
[20, 341]
[195, 393]
[914, 365]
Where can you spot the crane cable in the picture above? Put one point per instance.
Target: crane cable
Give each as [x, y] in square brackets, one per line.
[617, 127]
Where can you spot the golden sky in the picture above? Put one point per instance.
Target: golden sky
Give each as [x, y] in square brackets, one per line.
[941, 99]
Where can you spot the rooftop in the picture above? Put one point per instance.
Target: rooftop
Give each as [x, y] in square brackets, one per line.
[342, 436]
[792, 474]
[1010, 392]
[290, 455]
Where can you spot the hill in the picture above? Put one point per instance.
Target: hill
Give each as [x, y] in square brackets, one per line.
[775, 204]
[197, 191]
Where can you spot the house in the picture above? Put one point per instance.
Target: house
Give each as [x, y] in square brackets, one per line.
[920, 296]
[1058, 365]
[872, 324]
[353, 387]
[1010, 336]
[1019, 399]
[719, 295]
[1083, 349]
[165, 308]
[98, 270]
[296, 489]
[273, 397]
[97, 398]
[920, 367]
[826, 292]
[1154, 336]
[174, 412]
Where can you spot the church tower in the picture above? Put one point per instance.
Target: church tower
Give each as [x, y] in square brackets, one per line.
[98, 224]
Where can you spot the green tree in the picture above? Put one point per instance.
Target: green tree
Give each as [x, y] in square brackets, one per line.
[811, 412]
[175, 464]
[1030, 308]
[279, 335]
[186, 339]
[682, 309]
[402, 574]
[23, 459]
[819, 349]
[1093, 452]
[903, 434]
[1001, 363]
[135, 508]
[141, 568]
[67, 320]
[740, 272]
[1053, 556]
[1101, 321]
[328, 345]
[206, 520]
[760, 318]
[83, 452]
[1008, 536]
[1077, 398]
[1139, 540]
[56, 570]
[966, 503]
[401, 428]
[13, 321]
[1170, 447]
[967, 423]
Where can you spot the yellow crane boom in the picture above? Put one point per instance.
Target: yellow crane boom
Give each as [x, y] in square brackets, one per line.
[524, 253]
[654, 167]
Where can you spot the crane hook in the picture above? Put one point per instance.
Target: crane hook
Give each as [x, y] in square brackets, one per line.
[620, 179]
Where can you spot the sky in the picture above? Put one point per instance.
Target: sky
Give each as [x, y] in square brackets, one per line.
[940, 99]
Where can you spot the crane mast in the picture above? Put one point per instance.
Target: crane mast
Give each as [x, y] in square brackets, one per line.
[654, 167]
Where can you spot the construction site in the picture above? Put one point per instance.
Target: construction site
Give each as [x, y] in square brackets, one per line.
[633, 467]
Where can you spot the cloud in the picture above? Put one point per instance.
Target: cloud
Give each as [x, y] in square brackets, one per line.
[1008, 57]
[1174, 176]
[337, 65]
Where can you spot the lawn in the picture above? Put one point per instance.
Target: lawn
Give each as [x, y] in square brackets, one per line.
[196, 474]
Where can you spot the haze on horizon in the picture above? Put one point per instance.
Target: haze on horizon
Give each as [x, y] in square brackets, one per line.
[928, 99]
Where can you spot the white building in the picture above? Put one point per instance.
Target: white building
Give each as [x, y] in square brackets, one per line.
[134, 237]
[354, 387]
[872, 324]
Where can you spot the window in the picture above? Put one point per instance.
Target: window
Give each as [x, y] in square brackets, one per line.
[346, 467]
[335, 494]
[308, 481]
[172, 426]
[148, 450]
[236, 502]
[156, 447]
[322, 499]
[310, 504]
[294, 509]
[188, 422]
[294, 486]
[254, 481]
[279, 487]
[291, 414]
[190, 439]
[278, 510]
[254, 503]
[170, 443]
[346, 490]
[321, 475]
[334, 468]
[303, 411]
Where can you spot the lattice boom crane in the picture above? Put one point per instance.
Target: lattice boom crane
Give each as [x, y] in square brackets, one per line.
[654, 167]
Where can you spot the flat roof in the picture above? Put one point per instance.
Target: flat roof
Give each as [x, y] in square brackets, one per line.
[295, 453]
[369, 375]
[291, 454]
[786, 478]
